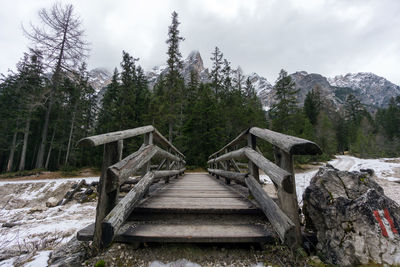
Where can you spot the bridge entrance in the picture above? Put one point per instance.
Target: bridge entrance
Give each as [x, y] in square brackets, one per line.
[196, 207]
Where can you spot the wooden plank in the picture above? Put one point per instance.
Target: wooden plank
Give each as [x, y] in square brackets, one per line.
[114, 136]
[279, 220]
[195, 233]
[113, 221]
[280, 177]
[169, 202]
[289, 144]
[199, 195]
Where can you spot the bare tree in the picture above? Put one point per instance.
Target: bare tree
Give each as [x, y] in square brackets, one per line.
[61, 39]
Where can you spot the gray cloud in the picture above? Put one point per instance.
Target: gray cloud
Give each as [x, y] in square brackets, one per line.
[327, 37]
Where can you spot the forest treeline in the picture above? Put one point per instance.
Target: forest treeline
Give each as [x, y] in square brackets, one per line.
[48, 104]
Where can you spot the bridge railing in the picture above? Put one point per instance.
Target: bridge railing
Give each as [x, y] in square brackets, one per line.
[111, 212]
[285, 217]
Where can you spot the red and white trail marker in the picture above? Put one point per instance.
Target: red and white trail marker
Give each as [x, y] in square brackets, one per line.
[386, 223]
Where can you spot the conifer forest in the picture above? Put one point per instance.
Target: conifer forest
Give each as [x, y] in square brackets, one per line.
[47, 105]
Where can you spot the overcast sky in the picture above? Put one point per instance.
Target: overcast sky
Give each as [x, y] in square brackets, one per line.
[326, 37]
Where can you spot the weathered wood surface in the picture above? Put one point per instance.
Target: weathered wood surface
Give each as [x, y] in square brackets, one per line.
[197, 193]
[106, 201]
[279, 176]
[208, 211]
[133, 163]
[288, 201]
[289, 144]
[192, 232]
[279, 220]
[236, 176]
[114, 136]
[236, 154]
[118, 215]
[253, 167]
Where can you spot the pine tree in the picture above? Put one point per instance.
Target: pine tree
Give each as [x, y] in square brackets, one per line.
[216, 71]
[285, 103]
[174, 81]
[312, 105]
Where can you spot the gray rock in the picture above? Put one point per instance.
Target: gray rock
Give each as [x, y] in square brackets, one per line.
[71, 254]
[51, 202]
[346, 210]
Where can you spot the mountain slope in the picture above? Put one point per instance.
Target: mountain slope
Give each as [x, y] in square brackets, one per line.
[372, 90]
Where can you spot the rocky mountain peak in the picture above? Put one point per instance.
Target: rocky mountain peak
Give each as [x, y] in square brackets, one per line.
[99, 78]
[369, 88]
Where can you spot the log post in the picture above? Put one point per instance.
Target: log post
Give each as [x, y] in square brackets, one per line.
[106, 202]
[253, 169]
[120, 149]
[227, 168]
[148, 140]
[168, 166]
[288, 201]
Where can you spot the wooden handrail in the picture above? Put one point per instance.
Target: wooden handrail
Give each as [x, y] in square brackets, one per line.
[282, 224]
[111, 213]
[290, 144]
[102, 139]
[280, 177]
[284, 218]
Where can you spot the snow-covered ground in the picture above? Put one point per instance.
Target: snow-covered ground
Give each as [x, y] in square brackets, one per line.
[386, 169]
[34, 229]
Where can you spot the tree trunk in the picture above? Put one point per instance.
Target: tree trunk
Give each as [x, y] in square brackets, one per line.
[55, 78]
[70, 135]
[170, 127]
[25, 144]
[46, 166]
[40, 155]
[12, 152]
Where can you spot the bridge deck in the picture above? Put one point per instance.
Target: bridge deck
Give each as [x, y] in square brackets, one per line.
[194, 208]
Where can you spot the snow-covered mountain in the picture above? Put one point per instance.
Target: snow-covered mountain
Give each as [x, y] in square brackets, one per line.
[369, 88]
[372, 90]
[99, 78]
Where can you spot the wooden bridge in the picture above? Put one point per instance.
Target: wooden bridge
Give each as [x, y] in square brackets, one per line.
[196, 207]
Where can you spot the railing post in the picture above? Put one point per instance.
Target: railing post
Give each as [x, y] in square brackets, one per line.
[105, 202]
[120, 149]
[227, 168]
[168, 166]
[148, 140]
[253, 169]
[288, 201]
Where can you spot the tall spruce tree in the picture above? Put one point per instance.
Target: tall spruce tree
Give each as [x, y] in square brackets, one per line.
[216, 70]
[285, 103]
[174, 80]
[312, 105]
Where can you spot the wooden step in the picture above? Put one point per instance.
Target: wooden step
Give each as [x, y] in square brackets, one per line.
[191, 233]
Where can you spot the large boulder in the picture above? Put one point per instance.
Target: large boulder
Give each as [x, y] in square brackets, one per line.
[355, 222]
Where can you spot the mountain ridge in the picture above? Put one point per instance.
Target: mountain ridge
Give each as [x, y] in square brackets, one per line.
[371, 89]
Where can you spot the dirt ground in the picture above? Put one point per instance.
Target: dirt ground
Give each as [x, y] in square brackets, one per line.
[45, 175]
